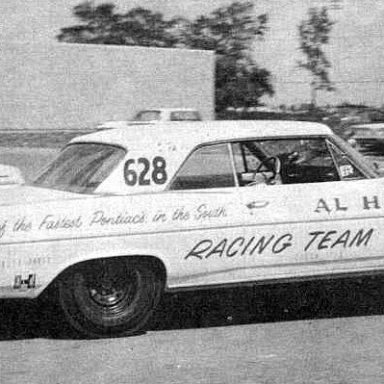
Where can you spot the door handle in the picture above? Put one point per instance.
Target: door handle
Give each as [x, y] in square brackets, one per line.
[257, 204]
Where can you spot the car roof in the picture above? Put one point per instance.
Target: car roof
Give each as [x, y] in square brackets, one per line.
[187, 135]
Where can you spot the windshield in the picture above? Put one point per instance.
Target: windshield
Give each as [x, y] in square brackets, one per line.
[81, 168]
[185, 116]
[366, 165]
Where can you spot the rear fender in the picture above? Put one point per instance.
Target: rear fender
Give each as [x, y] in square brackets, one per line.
[147, 256]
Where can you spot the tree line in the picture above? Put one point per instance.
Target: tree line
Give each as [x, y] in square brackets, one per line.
[229, 31]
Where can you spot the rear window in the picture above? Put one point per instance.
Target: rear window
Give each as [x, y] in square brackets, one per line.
[147, 116]
[81, 168]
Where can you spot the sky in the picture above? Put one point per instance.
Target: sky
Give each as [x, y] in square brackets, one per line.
[356, 48]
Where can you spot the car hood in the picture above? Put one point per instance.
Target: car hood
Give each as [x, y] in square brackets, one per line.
[25, 194]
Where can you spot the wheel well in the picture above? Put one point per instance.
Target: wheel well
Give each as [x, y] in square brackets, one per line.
[150, 261]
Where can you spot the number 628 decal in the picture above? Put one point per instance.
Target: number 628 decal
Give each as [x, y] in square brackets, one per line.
[144, 172]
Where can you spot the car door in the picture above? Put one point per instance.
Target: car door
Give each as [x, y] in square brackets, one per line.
[316, 212]
[206, 212]
[238, 221]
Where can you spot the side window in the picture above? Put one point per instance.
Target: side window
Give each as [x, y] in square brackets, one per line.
[284, 161]
[207, 167]
[347, 170]
[247, 159]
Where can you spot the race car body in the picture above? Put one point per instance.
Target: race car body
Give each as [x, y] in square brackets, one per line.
[120, 216]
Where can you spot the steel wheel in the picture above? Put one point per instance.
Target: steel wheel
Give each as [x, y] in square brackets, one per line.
[109, 296]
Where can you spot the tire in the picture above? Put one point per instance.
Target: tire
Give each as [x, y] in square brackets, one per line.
[109, 297]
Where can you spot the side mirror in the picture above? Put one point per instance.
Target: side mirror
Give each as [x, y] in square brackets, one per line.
[10, 176]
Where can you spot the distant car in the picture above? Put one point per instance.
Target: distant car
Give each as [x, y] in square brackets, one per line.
[121, 216]
[344, 116]
[362, 127]
[154, 116]
[367, 138]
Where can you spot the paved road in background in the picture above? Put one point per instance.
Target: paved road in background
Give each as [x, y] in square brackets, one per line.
[320, 333]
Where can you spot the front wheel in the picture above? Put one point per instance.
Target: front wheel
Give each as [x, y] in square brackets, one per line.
[109, 297]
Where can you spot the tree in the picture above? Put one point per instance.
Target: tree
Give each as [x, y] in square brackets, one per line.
[229, 31]
[102, 25]
[314, 34]
[239, 84]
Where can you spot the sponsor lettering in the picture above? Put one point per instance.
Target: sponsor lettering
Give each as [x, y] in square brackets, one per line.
[3, 226]
[180, 214]
[276, 244]
[102, 219]
[320, 240]
[371, 202]
[31, 262]
[240, 246]
[52, 222]
[204, 213]
[336, 204]
[22, 225]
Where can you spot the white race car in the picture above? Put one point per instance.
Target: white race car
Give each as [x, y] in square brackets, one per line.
[120, 217]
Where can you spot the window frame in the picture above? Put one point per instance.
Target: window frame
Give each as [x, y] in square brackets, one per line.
[351, 152]
[190, 154]
[330, 144]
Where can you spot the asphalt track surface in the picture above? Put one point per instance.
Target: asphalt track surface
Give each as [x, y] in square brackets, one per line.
[309, 333]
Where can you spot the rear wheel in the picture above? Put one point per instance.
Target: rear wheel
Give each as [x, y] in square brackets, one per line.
[109, 297]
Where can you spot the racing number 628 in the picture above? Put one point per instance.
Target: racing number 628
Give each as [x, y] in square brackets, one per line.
[158, 175]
